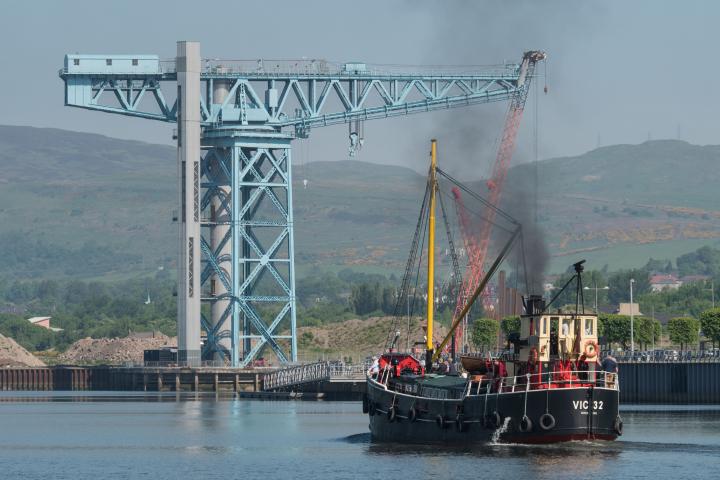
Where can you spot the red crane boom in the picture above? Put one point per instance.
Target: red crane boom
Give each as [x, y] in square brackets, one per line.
[477, 248]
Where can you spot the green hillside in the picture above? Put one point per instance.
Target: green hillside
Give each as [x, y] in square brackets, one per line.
[82, 205]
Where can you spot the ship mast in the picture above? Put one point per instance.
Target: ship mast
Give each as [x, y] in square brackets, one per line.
[431, 256]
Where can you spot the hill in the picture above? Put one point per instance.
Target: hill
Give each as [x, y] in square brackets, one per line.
[82, 205]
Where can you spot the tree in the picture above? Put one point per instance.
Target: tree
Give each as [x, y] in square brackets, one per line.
[683, 330]
[619, 284]
[388, 300]
[710, 323]
[616, 329]
[366, 298]
[510, 325]
[703, 261]
[484, 332]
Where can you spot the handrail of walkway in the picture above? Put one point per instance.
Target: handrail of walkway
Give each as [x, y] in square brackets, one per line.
[311, 373]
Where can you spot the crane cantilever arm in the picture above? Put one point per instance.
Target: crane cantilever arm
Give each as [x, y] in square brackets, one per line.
[301, 99]
[491, 271]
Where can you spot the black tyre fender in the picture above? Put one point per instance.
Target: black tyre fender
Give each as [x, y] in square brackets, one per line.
[366, 404]
[392, 414]
[525, 424]
[440, 420]
[412, 414]
[460, 422]
[495, 420]
[618, 426]
[371, 409]
[547, 421]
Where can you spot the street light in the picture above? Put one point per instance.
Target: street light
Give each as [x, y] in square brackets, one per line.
[596, 288]
[632, 321]
[712, 291]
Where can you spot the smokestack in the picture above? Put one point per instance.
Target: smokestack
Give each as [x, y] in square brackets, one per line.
[534, 304]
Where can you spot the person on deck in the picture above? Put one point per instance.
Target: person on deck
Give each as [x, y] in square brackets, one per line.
[610, 366]
[374, 368]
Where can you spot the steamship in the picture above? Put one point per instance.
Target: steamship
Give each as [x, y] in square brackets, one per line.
[548, 388]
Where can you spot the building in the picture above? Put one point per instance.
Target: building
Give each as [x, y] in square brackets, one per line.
[627, 308]
[695, 278]
[43, 322]
[660, 282]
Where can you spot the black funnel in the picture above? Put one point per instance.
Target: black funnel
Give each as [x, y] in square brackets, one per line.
[534, 304]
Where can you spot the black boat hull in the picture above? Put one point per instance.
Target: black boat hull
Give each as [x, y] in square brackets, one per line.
[534, 416]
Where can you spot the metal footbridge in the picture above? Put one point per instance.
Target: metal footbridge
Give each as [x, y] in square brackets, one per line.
[319, 372]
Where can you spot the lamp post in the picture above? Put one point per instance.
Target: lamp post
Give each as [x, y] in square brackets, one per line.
[596, 288]
[712, 291]
[632, 321]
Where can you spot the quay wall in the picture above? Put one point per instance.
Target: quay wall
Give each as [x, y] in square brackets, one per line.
[640, 383]
[63, 378]
[670, 383]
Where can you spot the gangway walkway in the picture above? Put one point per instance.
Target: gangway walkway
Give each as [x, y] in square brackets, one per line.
[318, 372]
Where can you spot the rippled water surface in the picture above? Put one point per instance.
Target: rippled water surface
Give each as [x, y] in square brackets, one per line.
[128, 436]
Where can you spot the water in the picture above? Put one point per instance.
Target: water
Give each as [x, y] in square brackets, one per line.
[128, 436]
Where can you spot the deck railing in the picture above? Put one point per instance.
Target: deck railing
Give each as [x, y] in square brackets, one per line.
[544, 381]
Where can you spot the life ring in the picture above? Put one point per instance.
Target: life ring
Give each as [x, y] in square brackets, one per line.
[547, 421]
[440, 420]
[391, 414]
[366, 406]
[495, 420]
[525, 424]
[412, 414]
[460, 422]
[618, 426]
[591, 349]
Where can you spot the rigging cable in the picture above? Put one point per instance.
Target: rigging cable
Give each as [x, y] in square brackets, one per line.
[409, 267]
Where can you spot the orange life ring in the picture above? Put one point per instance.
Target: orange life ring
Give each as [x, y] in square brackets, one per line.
[591, 349]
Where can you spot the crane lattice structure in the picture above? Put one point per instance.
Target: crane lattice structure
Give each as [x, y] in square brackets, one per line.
[236, 121]
[477, 247]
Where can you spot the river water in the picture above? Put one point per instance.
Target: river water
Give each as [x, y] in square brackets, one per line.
[98, 436]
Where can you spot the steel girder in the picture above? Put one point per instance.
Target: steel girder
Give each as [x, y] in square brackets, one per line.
[248, 178]
[300, 95]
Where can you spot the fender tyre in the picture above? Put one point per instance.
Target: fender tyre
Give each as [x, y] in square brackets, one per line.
[525, 424]
[547, 421]
[440, 421]
[412, 415]
[618, 426]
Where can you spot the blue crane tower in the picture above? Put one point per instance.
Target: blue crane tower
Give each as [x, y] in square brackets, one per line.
[236, 121]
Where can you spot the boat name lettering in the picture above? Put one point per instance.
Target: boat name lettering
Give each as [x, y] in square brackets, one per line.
[583, 405]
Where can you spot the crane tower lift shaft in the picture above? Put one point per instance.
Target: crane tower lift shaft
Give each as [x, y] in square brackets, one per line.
[236, 121]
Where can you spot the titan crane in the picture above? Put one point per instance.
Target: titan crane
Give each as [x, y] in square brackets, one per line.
[477, 248]
[236, 121]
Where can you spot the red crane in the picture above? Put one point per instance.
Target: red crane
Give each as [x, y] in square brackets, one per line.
[477, 247]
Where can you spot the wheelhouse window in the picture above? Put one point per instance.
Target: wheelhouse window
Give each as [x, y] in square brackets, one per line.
[565, 330]
[588, 326]
[108, 61]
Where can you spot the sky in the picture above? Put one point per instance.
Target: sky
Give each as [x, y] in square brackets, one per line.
[618, 71]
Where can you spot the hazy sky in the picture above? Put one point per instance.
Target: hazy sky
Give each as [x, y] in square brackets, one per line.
[618, 71]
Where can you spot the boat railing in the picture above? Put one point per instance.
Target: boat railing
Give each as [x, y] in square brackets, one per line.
[543, 381]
